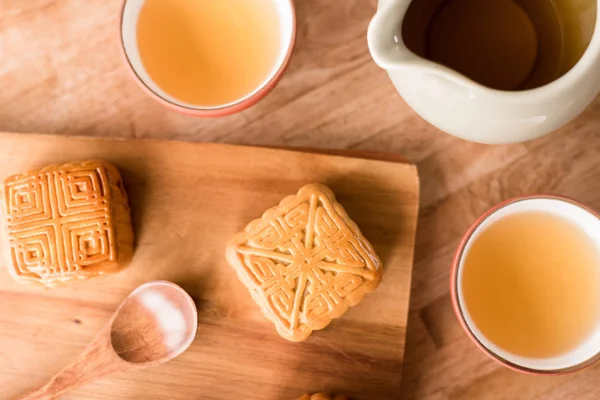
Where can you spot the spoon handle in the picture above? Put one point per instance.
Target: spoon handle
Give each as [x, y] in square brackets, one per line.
[97, 360]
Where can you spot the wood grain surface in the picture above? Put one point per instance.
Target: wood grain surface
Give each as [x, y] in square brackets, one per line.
[61, 72]
[188, 200]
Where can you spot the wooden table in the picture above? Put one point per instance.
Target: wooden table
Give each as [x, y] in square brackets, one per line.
[60, 72]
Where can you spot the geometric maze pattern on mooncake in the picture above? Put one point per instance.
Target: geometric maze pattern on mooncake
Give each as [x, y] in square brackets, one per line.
[66, 222]
[305, 262]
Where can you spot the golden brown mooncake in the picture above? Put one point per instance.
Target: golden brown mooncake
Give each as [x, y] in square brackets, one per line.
[322, 396]
[305, 262]
[66, 222]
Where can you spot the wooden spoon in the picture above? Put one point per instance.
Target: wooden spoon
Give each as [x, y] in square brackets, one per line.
[154, 324]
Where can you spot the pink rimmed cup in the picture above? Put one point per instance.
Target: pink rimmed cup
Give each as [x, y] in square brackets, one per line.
[130, 12]
[586, 352]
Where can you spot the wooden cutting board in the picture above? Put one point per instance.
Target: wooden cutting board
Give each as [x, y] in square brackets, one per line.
[187, 201]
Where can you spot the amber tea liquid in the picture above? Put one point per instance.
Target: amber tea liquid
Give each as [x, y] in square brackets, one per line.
[209, 52]
[531, 284]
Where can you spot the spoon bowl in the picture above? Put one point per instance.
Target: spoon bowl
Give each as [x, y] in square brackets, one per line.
[154, 324]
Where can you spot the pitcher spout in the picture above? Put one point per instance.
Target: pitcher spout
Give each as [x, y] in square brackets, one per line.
[384, 35]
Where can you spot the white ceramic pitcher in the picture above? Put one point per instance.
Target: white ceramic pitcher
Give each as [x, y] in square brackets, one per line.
[458, 105]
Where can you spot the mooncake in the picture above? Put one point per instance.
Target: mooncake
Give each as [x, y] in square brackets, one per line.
[304, 262]
[67, 222]
[322, 396]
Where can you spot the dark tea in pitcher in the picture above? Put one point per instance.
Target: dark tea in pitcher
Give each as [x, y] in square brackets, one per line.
[502, 44]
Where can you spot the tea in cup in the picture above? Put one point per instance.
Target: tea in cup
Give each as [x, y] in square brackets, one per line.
[209, 57]
[526, 284]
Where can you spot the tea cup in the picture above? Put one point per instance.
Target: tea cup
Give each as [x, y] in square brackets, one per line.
[585, 350]
[130, 17]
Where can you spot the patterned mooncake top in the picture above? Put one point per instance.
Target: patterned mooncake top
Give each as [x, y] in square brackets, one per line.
[305, 262]
[66, 222]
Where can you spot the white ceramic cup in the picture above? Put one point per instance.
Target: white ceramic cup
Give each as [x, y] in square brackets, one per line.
[129, 20]
[588, 220]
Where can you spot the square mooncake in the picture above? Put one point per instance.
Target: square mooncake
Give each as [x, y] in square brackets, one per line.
[305, 262]
[66, 222]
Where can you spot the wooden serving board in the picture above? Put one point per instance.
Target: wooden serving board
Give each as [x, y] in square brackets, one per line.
[187, 201]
